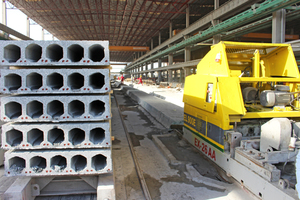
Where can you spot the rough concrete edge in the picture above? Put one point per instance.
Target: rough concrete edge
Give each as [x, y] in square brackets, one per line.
[20, 189]
[194, 175]
[164, 119]
[156, 113]
[3, 187]
[164, 150]
[197, 177]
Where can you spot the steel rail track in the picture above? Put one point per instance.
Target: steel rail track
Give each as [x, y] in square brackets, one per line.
[134, 157]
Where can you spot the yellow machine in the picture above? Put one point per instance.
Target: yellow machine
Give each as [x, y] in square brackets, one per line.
[242, 111]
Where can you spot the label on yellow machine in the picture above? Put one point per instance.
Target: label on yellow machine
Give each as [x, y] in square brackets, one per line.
[213, 152]
[204, 130]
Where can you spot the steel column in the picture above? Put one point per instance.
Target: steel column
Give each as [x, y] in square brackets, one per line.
[151, 43]
[159, 38]
[187, 54]
[278, 26]
[43, 34]
[187, 16]
[28, 27]
[4, 21]
[170, 59]
[216, 38]
[171, 29]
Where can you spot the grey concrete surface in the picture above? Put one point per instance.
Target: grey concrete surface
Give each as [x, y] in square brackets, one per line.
[54, 53]
[187, 175]
[56, 135]
[55, 108]
[57, 162]
[166, 113]
[62, 81]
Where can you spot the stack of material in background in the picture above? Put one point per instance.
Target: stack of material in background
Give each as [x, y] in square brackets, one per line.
[58, 113]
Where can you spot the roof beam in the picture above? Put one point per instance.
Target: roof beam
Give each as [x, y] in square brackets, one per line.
[128, 48]
[247, 16]
[10, 31]
[223, 10]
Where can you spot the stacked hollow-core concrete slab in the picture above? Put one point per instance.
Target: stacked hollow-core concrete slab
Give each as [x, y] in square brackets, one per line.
[58, 162]
[63, 81]
[56, 135]
[56, 53]
[55, 108]
[58, 109]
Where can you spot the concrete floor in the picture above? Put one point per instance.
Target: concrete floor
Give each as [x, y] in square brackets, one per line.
[191, 177]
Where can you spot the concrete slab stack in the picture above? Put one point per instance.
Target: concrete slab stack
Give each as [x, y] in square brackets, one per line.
[58, 109]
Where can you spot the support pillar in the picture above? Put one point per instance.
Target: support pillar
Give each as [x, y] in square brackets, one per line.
[187, 71]
[169, 72]
[187, 16]
[4, 21]
[278, 26]
[216, 38]
[28, 27]
[181, 79]
[170, 59]
[152, 67]
[43, 34]
[187, 54]
[159, 72]
[159, 77]
[171, 29]
[151, 43]
[159, 38]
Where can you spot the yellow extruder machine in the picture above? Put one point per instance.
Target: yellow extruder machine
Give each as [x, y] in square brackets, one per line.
[242, 111]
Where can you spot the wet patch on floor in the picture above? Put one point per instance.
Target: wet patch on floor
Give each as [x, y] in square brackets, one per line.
[127, 100]
[153, 186]
[132, 182]
[135, 139]
[116, 141]
[138, 112]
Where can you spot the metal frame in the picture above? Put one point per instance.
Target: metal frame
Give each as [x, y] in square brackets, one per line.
[256, 12]
[249, 179]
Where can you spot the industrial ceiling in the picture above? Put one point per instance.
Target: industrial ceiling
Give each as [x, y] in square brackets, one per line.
[122, 22]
